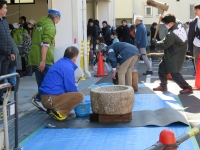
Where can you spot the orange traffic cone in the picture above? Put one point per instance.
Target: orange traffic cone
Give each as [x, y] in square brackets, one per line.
[167, 138]
[197, 80]
[100, 67]
[169, 76]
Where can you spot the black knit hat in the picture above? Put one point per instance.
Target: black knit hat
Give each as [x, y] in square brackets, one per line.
[23, 18]
[90, 20]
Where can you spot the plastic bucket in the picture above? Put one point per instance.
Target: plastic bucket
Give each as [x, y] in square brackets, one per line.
[83, 109]
[106, 83]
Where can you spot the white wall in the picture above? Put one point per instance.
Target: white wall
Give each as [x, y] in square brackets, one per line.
[64, 32]
[181, 9]
[103, 12]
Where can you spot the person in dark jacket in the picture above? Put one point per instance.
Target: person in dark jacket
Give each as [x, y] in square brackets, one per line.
[125, 55]
[22, 21]
[153, 30]
[106, 33]
[65, 96]
[132, 34]
[92, 30]
[96, 22]
[6, 50]
[194, 34]
[141, 43]
[13, 64]
[175, 48]
[125, 32]
[119, 32]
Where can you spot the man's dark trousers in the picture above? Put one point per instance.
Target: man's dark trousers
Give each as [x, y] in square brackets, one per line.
[177, 77]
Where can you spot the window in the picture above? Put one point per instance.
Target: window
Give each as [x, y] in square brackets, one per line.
[192, 15]
[148, 11]
[159, 12]
[8, 1]
[21, 1]
[24, 1]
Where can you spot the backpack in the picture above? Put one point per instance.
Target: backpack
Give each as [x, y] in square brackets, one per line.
[25, 43]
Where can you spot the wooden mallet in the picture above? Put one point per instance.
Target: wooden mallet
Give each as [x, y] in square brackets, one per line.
[162, 6]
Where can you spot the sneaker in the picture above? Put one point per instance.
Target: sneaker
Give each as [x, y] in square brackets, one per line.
[38, 104]
[141, 62]
[159, 88]
[148, 73]
[186, 91]
[194, 74]
[57, 115]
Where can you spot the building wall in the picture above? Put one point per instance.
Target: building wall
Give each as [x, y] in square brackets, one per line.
[64, 34]
[124, 10]
[184, 14]
[31, 11]
[103, 12]
[90, 10]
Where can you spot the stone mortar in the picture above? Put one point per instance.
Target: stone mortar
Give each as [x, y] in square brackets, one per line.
[112, 100]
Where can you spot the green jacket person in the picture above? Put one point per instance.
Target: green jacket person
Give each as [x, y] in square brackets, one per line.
[41, 55]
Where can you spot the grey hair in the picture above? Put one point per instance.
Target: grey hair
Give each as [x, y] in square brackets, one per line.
[52, 16]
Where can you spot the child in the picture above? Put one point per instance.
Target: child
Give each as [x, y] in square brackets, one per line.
[91, 55]
[114, 37]
[100, 45]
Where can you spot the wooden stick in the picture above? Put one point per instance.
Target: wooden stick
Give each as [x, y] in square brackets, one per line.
[158, 25]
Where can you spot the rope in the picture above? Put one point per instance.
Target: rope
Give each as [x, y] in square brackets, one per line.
[13, 13]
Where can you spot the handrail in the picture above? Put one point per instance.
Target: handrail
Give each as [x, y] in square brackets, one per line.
[16, 108]
[180, 139]
[5, 119]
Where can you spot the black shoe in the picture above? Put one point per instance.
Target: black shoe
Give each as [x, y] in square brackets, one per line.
[148, 73]
[13, 88]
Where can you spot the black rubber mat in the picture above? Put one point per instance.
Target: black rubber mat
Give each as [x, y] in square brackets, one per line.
[160, 117]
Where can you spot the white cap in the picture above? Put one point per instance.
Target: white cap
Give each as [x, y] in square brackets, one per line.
[139, 18]
[32, 22]
[16, 25]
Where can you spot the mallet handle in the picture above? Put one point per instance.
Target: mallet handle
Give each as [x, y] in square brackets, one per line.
[158, 25]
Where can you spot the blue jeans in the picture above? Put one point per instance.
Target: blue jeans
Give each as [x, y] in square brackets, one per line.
[12, 80]
[39, 78]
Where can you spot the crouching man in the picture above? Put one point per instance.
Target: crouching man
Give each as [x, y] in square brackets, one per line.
[59, 91]
[126, 56]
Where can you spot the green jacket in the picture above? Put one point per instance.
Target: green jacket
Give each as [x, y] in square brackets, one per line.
[16, 53]
[175, 47]
[44, 31]
[17, 35]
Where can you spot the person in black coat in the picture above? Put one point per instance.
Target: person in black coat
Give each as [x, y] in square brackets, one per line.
[106, 32]
[22, 21]
[119, 32]
[194, 36]
[6, 49]
[153, 30]
[125, 32]
[92, 30]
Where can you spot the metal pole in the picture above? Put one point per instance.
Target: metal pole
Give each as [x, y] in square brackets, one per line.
[16, 106]
[188, 135]
[180, 139]
[19, 9]
[5, 119]
[16, 109]
[85, 38]
[157, 146]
